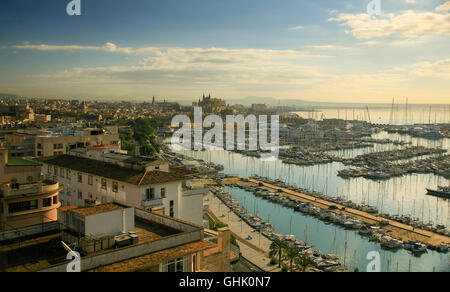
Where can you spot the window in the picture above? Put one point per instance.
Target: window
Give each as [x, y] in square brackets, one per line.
[171, 209]
[55, 171]
[150, 194]
[68, 174]
[47, 202]
[39, 146]
[23, 206]
[55, 200]
[115, 187]
[178, 265]
[80, 195]
[163, 193]
[49, 169]
[194, 263]
[104, 184]
[183, 184]
[80, 178]
[90, 180]
[68, 190]
[61, 173]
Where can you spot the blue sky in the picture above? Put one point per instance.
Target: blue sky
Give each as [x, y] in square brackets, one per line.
[178, 49]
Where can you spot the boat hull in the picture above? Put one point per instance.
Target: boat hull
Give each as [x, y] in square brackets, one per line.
[439, 193]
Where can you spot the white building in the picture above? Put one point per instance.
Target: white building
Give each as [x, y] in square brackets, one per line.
[99, 174]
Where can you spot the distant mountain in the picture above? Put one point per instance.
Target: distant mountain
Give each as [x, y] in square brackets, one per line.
[271, 101]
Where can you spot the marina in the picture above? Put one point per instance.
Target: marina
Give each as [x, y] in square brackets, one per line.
[400, 198]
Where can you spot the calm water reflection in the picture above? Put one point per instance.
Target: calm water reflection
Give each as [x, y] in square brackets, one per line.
[403, 195]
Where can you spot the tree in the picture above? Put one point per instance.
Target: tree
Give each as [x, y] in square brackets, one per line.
[291, 254]
[303, 262]
[276, 249]
[147, 150]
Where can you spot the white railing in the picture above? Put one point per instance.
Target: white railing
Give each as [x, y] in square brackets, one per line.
[152, 203]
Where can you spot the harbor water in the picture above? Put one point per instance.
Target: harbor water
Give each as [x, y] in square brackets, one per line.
[399, 196]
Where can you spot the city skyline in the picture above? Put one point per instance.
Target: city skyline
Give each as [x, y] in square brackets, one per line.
[324, 52]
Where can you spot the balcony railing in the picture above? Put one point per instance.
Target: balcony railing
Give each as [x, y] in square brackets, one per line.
[8, 190]
[152, 203]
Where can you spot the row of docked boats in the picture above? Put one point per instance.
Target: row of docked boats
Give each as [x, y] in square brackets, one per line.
[325, 262]
[404, 219]
[381, 170]
[374, 232]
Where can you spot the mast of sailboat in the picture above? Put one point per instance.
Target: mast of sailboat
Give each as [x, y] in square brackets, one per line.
[368, 114]
[406, 112]
[429, 117]
[391, 118]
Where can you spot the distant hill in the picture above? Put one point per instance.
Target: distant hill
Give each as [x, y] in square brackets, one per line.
[271, 101]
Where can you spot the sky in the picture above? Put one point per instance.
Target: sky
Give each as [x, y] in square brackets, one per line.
[323, 50]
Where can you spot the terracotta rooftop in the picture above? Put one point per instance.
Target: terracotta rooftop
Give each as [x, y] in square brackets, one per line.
[116, 172]
[155, 258]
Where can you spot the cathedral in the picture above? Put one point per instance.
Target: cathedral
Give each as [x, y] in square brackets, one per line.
[211, 105]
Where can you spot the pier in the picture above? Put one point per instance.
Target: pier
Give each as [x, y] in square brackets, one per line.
[395, 229]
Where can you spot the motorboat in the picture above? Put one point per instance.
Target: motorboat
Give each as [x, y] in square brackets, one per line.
[364, 230]
[390, 243]
[418, 247]
[440, 192]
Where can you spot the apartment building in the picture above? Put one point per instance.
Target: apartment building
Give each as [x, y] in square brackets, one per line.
[118, 238]
[99, 174]
[25, 198]
[59, 140]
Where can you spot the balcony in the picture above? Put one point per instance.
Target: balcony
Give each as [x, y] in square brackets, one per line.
[13, 190]
[152, 203]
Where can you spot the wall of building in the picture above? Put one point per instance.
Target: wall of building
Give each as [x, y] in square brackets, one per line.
[219, 259]
[192, 208]
[110, 223]
[47, 143]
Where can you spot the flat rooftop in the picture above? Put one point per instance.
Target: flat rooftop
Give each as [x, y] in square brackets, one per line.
[34, 253]
[21, 162]
[98, 209]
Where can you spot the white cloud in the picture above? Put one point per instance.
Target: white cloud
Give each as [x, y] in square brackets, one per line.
[108, 47]
[439, 69]
[329, 48]
[444, 7]
[298, 27]
[407, 23]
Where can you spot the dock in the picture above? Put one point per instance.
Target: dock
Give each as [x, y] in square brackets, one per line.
[396, 229]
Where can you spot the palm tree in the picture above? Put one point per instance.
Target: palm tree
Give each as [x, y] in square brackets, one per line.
[290, 255]
[303, 262]
[276, 249]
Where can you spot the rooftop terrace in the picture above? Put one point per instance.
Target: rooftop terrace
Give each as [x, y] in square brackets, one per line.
[160, 238]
